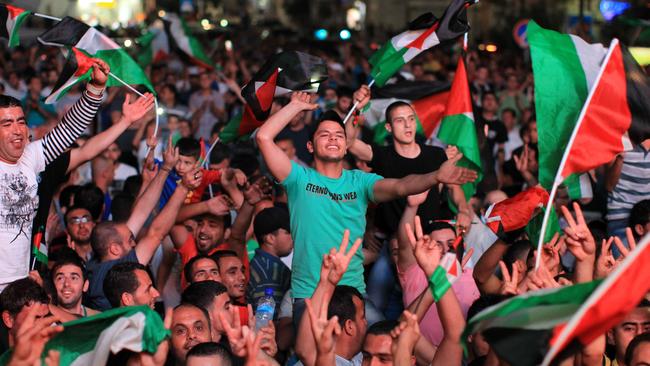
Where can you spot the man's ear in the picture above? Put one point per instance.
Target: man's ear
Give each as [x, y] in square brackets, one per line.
[350, 328]
[114, 249]
[86, 284]
[638, 230]
[610, 337]
[127, 299]
[388, 127]
[310, 147]
[8, 319]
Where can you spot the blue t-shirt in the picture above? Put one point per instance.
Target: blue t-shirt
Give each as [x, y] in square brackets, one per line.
[320, 209]
[95, 298]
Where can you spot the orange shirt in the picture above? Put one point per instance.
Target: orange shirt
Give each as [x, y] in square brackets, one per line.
[209, 177]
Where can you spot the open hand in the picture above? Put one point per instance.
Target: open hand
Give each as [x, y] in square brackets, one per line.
[449, 173]
[303, 100]
[134, 110]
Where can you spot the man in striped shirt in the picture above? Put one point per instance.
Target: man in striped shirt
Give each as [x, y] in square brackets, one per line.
[627, 182]
[20, 163]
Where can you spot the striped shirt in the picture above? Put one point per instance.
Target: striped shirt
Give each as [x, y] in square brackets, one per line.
[18, 191]
[632, 185]
[267, 271]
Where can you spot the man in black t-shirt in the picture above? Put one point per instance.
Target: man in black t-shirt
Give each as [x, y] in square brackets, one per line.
[492, 136]
[404, 157]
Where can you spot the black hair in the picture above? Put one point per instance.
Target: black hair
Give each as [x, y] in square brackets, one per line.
[639, 215]
[202, 294]
[485, 94]
[68, 256]
[226, 219]
[632, 346]
[435, 225]
[67, 194]
[219, 153]
[172, 88]
[211, 349]
[103, 234]
[91, 197]
[330, 116]
[392, 107]
[510, 110]
[7, 101]
[342, 305]
[190, 305]
[484, 302]
[121, 207]
[382, 327]
[246, 162]
[132, 185]
[344, 91]
[188, 146]
[21, 293]
[74, 207]
[120, 279]
[187, 270]
[223, 254]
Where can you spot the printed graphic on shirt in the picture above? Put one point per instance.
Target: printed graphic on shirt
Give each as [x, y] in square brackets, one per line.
[19, 201]
[343, 197]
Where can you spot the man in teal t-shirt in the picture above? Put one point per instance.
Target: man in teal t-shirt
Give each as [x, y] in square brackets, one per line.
[326, 200]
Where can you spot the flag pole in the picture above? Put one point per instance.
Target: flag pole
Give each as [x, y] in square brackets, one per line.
[47, 17]
[558, 176]
[356, 104]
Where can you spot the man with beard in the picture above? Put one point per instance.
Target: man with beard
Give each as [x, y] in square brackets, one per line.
[79, 224]
[70, 282]
[129, 284]
[339, 197]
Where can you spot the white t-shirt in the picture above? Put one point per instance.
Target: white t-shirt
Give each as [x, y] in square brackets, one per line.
[18, 204]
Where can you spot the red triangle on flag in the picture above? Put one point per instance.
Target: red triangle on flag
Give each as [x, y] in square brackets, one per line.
[430, 111]
[84, 63]
[419, 42]
[14, 11]
[453, 269]
[266, 91]
[460, 100]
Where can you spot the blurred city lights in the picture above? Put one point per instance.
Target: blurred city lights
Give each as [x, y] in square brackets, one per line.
[491, 48]
[321, 34]
[345, 34]
[128, 43]
[161, 13]
[223, 23]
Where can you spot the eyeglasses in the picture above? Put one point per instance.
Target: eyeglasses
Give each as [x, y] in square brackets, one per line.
[80, 220]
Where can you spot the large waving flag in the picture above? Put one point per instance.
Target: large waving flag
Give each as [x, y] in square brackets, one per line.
[423, 33]
[429, 100]
[182, 40]
[91, 340]
[457, 127]
[70, 32]
[283, 73]
[565, 69]
[12, 17]
[542, 326]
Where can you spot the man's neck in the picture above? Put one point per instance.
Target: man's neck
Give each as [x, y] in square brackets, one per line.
[268, 249]
[83, 249]
[489, 115]
[411, 150]
[330, 169]
[344, 349]
[76, 309]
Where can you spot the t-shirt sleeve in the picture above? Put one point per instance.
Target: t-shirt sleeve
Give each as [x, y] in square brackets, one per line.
[369, 180]
[295, 175]
[377, 157]
[34, 156]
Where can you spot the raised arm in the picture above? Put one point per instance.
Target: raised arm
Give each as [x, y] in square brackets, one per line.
[161, 225]
[276, 160]
[253, 194]
[357, 147]
[77, 119]
[449, 173]
[131, 112]
[450, 351]
[486, 281]
[146, 202]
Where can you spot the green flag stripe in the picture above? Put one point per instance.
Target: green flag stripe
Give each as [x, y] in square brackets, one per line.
[123, 66]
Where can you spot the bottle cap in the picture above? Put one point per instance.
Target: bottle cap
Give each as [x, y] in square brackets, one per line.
[268, 291]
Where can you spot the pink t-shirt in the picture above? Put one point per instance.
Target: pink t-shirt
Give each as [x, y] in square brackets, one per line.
[414, 281]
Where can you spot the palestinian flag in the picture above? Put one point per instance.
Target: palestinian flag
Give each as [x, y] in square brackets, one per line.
[423, 33]
[514, 213]
[457, 127]
[154, 47]
[91, 340]
[39, 246]
[552, 322]
[616, 297]
[70, 32]
[77, 68]
[182, 40]
[240, 127]
[617, 111]
[428, 99]
[448, 272]
[565, 69]
[12, 17]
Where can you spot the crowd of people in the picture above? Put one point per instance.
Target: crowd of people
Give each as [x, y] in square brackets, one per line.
[342, 233]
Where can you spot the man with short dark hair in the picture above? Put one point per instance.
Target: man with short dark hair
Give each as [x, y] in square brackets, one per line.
[190, 326]
[16, 301]
[639, 220]
[128, 284]
[209, 353]
[638, 352]
[273, 233]
[634, 324]
[233, 274]
[79, 225]
[201, 268]
[213, 297]
[71, 282]
[378, 342]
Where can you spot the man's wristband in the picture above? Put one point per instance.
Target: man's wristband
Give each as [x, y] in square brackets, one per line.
[438, 283]
[95, 90]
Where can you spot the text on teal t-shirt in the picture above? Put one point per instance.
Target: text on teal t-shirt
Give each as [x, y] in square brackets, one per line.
[321, 208]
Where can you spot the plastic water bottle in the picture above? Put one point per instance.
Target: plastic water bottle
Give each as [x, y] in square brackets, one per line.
[265, 309]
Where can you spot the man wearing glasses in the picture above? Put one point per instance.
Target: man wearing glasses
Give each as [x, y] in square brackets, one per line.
[79, 225]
